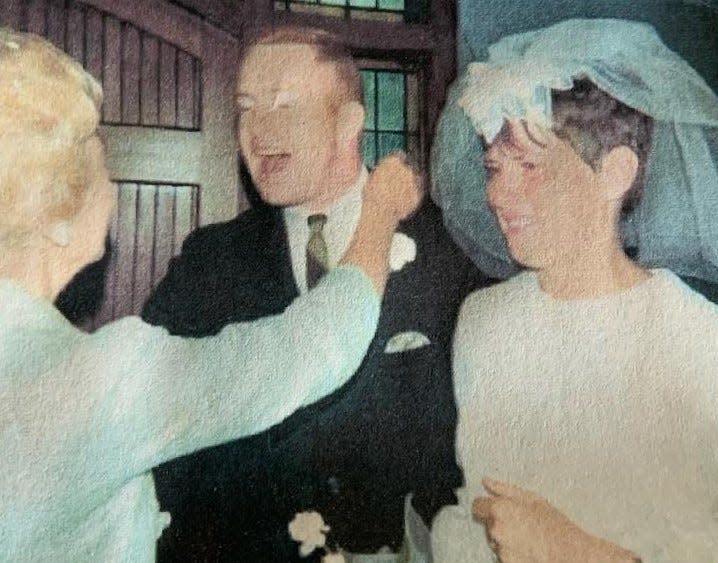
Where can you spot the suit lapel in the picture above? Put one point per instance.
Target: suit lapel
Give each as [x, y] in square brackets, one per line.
[260, 275]
[278, 247]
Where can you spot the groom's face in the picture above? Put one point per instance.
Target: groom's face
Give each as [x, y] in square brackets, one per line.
[287, 122]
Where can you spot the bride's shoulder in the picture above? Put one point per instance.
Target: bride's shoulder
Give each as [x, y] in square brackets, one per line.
[493, 310]
[683, 307]
[503, 295]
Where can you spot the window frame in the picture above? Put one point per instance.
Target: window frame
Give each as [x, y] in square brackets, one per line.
[342, 11]
[414, 119]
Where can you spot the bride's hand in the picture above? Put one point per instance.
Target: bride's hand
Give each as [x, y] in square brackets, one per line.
[523, 527]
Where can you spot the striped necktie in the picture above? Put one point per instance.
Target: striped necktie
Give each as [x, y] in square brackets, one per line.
[317, 255]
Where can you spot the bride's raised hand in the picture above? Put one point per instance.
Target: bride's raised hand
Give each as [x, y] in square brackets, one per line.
[523, 527]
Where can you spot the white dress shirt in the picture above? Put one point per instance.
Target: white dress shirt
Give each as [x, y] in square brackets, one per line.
[342, 221]
[85, 417]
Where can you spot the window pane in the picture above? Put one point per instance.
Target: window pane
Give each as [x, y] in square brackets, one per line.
[416, 11]
[375, 15]
[369, 148]
[391, 100]
[409, 11]
[363, 3]
[397, 5]
[390, 142]
[368, 77]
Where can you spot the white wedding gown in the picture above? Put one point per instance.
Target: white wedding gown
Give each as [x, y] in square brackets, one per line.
[607, 407]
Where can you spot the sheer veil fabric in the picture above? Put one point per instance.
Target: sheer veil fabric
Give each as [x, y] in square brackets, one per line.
[676, 224]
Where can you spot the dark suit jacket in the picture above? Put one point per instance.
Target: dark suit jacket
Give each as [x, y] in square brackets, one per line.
[352, 456]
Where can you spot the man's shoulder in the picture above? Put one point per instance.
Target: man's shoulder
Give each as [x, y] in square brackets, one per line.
[427, 219]
[437, 253]
[426, 226]
[246, 229]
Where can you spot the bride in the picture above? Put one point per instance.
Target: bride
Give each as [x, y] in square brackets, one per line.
[586, 386]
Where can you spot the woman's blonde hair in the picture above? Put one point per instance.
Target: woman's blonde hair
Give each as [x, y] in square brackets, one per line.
[49, 107]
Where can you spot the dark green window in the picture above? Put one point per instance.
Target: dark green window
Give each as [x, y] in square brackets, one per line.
[411, 11]
[390, 100]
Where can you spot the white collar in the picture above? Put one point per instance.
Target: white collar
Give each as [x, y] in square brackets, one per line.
[342, 219]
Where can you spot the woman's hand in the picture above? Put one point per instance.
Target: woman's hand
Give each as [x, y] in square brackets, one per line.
[393, 188]
[392, 194]
[523, 527]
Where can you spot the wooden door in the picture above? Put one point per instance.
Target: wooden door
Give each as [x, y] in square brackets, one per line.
[167, 120]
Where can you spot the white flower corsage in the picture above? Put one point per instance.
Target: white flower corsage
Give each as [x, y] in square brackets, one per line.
[402, 252]
[310, 531]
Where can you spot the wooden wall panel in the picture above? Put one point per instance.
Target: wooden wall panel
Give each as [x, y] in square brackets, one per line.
[144, 246]
[105, 314]
[56, 18]
[149, 227]
[124, 247]
[112, 70]
[36, 17]
[164, 231]
[153, 118]
[11, 13]
[185, 215]
[147, 80]
[168, 85]
[95, 46]
[130, 75]
[185, 91]
[75, 44]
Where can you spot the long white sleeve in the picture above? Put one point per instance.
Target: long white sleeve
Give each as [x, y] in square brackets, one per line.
[172, 395]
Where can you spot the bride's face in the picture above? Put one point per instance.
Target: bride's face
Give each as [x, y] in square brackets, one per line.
[544, 196]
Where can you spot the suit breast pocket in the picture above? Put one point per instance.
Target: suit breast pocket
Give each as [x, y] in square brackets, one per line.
[411, 397]
[397, 363]
[412, 386]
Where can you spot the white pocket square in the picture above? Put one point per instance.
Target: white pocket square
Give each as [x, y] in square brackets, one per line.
[403, 341]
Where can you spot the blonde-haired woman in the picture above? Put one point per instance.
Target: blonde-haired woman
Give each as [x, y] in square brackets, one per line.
[85, 417]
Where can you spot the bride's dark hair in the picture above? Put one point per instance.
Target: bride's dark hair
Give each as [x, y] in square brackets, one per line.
[593, 123]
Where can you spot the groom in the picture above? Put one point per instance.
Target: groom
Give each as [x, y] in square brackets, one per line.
[390, 431]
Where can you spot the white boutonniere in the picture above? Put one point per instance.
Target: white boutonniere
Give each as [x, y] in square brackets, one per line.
[402, 252]
[310, 531]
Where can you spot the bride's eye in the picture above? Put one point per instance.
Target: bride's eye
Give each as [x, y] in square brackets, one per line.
[528, 166]
[491, 170]
[244, 105]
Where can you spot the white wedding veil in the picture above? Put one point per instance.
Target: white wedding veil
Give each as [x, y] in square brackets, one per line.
[676, 223]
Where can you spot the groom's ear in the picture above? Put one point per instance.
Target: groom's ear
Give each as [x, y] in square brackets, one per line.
[350, 122]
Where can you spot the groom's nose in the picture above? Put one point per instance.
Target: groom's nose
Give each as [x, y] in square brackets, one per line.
[265, 126]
